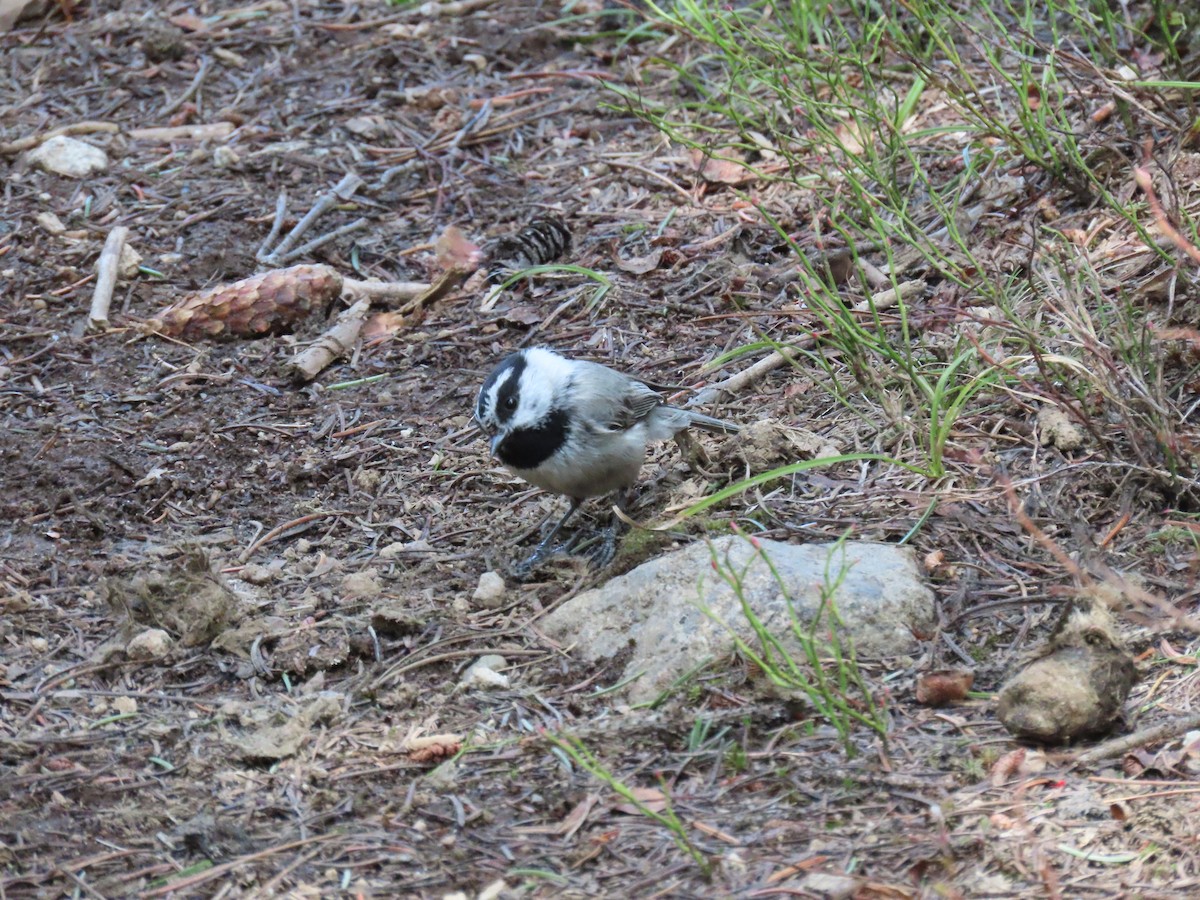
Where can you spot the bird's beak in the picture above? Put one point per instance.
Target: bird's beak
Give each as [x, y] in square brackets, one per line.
[494, 443]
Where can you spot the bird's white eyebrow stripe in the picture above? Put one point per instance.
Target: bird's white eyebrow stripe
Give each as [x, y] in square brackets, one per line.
[493, 392]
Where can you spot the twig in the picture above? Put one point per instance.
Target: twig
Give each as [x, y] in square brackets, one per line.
[383, 290]
[735, 383]
[204, 132]
[106, 277]
[890, 297]
[456, 8]
[309, 363]
[286, 527]
[1142, 176]
[205, 65]
[343, 190]
[30, 141]
[356, 225]
[217, 871]
[1122, 745]
[691, 201]
[280, 212]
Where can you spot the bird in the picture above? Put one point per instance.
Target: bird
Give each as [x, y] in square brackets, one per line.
[576, 428]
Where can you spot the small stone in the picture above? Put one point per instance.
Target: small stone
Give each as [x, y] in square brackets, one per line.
[830, 885]
[153, 643]
[1056, 429]
[225, 157]
[491, 591]
[130, 261]
[67, 156]
[494, 891]
[400, 548]
[126, 706]
[663, 616]
[444, 777]
[483, 673]
[365, 126]
[50, 223]
[362, 585]
[39, 645]
[257, 574]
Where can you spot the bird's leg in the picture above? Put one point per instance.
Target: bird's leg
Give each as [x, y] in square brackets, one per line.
[607, 550]
[544, 549]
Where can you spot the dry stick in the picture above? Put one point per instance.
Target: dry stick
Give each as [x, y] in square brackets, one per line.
[343, 190]
[285, 527]
[456, 8]
[217, 871]
[383, 290]
[1122, 745]
[308, 364]
[205, 65]
[280, 211]
[734, 383]
[1142, 176]
[106, 277]
[203, 132]
[356, 225]
[30, 141]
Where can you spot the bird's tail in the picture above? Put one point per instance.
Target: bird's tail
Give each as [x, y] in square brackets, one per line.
[708, 423]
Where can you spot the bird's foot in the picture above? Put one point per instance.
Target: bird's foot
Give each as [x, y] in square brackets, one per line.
[541, 553]
[601, 548]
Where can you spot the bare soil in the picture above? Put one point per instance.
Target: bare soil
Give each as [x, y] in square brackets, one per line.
[270, 751]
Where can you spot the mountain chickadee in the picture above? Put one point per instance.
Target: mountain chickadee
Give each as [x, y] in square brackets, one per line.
[575, 428]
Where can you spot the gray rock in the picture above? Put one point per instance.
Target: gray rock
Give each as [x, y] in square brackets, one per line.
[68, 156]
[655, 613]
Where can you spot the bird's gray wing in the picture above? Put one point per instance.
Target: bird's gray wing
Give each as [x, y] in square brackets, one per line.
[640, 401]
[612, 401]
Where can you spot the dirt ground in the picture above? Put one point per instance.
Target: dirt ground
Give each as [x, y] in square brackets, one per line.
[312, 550]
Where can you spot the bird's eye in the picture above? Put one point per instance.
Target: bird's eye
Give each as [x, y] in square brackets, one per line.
[510, 403]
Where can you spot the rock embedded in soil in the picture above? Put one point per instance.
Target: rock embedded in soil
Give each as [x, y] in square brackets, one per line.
[654, 616]
[154, 643]
[1077, 685]
[68, 156]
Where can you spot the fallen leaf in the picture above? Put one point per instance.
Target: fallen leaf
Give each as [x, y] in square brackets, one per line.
[189, 22]
[382, 325]
[1033, 97]
[723, 170]
[1006, 767]
[454, 250]
[651, 798]
[639, 265]
[947, 686]
[574, 820]
[524, 315]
